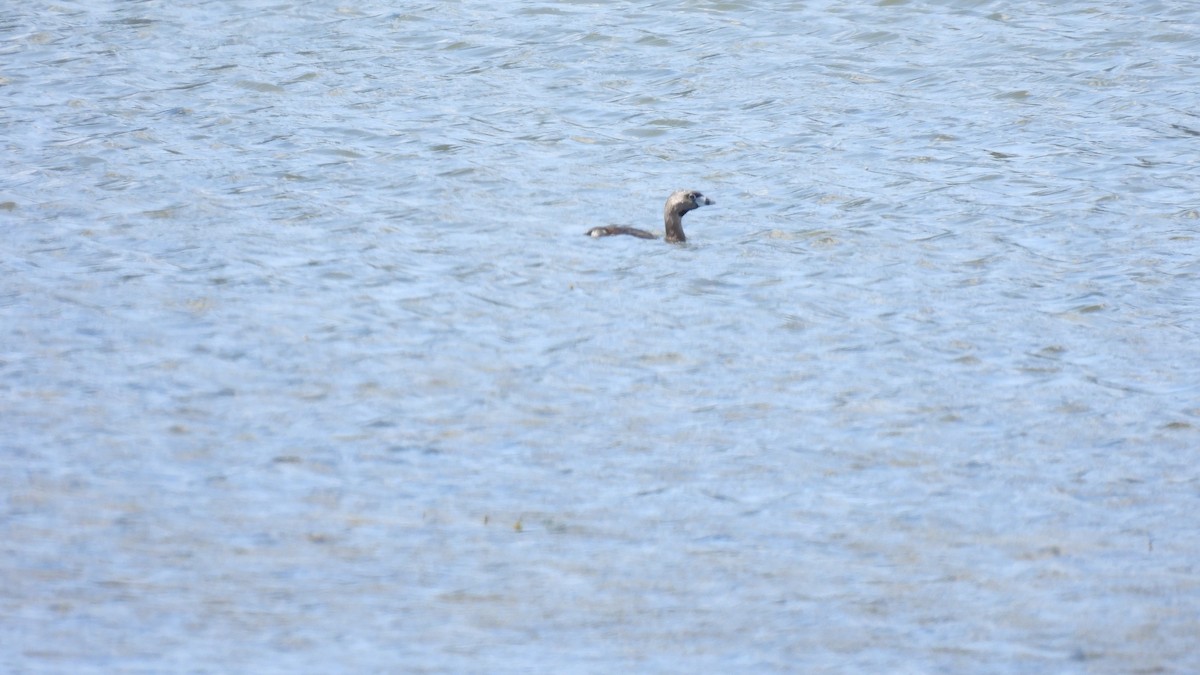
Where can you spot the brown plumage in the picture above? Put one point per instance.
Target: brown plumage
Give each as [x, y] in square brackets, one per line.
[678, 203]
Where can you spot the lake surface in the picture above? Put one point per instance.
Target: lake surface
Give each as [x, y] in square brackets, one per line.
[307, 366]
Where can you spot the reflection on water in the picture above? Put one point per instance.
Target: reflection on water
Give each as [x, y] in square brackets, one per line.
[307, 363]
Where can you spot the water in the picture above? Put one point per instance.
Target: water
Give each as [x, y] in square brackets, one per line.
[307, 365]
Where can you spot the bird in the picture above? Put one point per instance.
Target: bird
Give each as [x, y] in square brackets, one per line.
[679, 203]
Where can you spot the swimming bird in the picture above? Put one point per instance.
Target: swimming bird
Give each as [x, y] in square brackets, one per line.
[679, 203]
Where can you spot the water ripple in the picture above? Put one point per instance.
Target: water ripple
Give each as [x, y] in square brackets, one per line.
[299, 306]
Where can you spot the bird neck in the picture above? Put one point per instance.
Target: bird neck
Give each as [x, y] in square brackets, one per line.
[674, 226]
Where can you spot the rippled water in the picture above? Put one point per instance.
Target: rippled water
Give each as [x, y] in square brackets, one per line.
[307, 365]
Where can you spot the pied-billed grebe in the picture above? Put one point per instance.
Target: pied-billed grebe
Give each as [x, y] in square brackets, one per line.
[678, 204]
